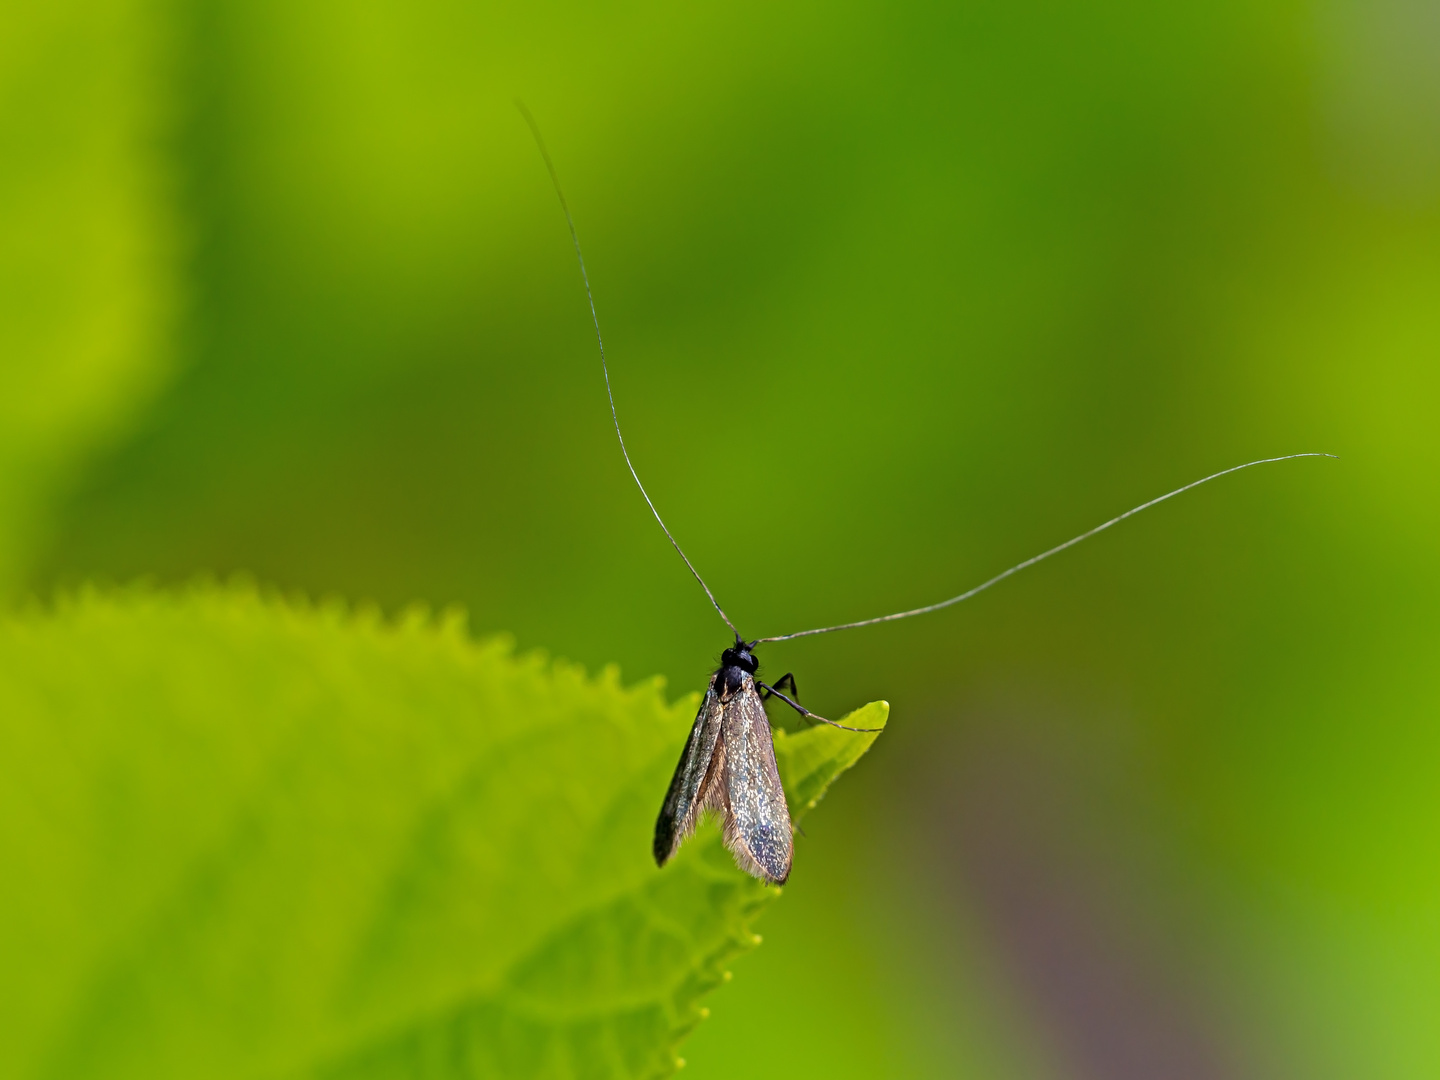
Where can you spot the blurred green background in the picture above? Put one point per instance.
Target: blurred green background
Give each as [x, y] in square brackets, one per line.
[895, 295]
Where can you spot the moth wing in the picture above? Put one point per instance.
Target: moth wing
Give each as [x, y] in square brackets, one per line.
[757, 821]
[692, 785]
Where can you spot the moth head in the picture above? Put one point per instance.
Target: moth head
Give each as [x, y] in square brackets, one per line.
[739, 655]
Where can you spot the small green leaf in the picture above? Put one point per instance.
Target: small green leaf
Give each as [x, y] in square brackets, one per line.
[810, 761]
[242, 837]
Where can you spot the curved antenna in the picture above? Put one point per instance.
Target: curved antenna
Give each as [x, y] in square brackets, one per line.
[575, 238]
[1034, 559]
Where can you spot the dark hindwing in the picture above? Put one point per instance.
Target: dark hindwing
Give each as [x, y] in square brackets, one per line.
[693, 781]
[756, 819]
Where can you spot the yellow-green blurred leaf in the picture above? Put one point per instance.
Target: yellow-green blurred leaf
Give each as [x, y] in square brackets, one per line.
[87, 243]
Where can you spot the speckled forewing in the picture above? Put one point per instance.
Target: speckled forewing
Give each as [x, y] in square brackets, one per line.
[757, 821]
[688, 787]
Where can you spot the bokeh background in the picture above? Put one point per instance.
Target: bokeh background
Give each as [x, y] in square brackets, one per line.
[895, 295]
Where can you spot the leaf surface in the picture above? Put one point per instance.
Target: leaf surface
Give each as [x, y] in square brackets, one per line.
[244, 837]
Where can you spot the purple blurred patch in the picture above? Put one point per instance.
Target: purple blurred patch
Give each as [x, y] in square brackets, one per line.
[1023, 817]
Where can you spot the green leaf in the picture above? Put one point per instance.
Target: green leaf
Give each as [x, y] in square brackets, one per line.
[243, 837]
[88, 244]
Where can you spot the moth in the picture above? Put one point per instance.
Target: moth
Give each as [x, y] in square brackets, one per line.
[728, 765]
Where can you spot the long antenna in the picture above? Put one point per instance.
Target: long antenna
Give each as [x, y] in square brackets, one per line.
[575, 238]
[1034, 559]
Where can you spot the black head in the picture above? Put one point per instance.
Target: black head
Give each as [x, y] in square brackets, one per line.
[739, 655]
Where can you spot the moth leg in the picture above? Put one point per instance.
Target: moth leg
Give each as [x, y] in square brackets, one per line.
[790, 678]
[806, 713]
